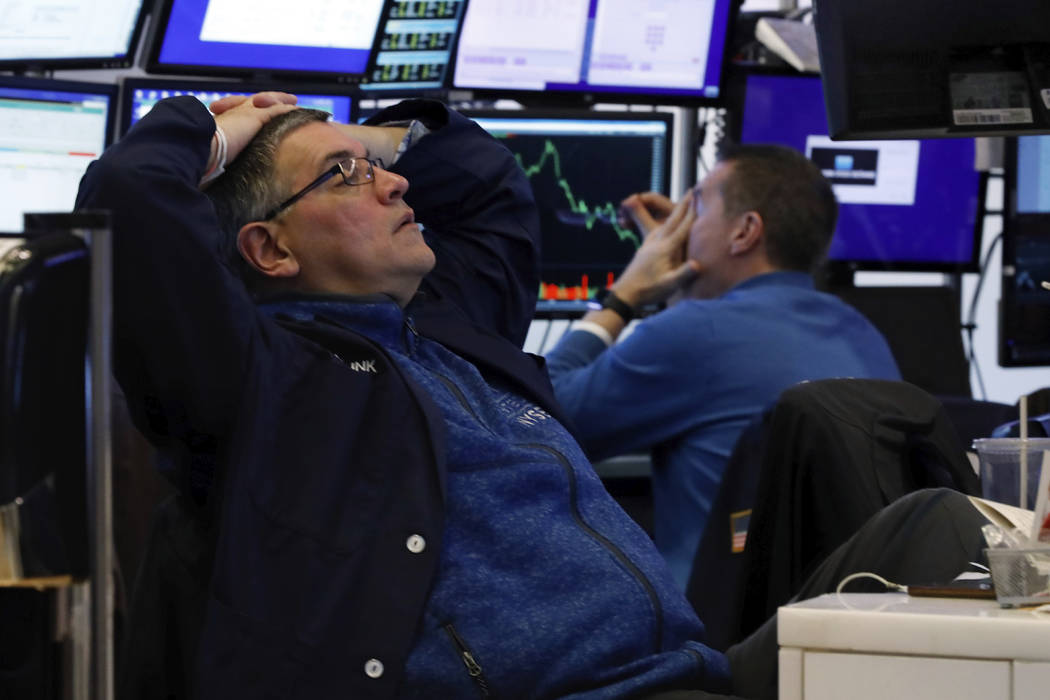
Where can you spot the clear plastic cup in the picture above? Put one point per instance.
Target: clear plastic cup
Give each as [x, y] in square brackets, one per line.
[1002, 462]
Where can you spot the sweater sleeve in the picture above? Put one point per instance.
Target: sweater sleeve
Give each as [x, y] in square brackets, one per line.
[478, 215]
[182, 321]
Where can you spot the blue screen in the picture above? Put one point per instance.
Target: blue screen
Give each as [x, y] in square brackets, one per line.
[186, 44]
[902, 204]
[1033, 174]
[139, 96]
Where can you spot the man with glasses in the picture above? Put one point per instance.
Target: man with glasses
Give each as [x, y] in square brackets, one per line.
[391, 503]
[394, 504]
[745, 324]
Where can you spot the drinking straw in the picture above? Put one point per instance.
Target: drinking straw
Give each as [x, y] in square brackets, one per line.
[1024, 450]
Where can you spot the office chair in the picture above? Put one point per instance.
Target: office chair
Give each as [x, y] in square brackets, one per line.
[43, 443]
[804, 476]
[43, 341]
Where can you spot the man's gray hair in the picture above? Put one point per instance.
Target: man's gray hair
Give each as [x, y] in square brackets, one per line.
[250, 187]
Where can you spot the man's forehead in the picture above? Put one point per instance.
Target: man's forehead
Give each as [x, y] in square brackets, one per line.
[316, 145]
[712, 182]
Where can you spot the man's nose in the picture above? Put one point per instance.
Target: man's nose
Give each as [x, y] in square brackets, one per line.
[390, 186]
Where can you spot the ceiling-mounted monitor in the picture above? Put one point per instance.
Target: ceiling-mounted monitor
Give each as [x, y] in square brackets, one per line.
[584, 246]
[414, 46]
[50, 130]
[650, 51]
[139, 95]
[931, 69]
[904, 205]
[48, 35]
[265, 39]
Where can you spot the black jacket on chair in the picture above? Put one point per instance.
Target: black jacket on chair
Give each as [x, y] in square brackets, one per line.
[812, 469]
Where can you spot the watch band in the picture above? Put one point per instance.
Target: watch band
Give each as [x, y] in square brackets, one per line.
[612, 302]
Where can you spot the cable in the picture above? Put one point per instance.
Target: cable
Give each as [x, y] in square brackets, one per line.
[971, 316]
[867, 574]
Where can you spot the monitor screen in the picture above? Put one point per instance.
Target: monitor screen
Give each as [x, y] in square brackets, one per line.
[138, 95]
[1024, 328]
[584, 247]
[414, 45]
[903, 204]
[627, 50]
[50, 131]
[317, 39]
[42, 34]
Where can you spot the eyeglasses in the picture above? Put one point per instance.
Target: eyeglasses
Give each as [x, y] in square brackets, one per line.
[355, 171]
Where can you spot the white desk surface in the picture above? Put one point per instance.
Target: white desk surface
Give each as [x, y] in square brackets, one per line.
[894, 623]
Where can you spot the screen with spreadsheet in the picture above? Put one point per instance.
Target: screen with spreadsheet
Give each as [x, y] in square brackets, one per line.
[637, 50]
[49, 132]
[414, 45]
[42, 34]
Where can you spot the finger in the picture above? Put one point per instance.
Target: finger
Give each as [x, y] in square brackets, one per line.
[636, 211]
[681, 214]
[268, 99]
[227, 103]
[686, 273]
[658, 205]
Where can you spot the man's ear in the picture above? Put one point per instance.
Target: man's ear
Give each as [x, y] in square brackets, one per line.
[748, 235]
[259, 245]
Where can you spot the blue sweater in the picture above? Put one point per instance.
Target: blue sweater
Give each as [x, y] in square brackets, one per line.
[686, 381]
[544, 587]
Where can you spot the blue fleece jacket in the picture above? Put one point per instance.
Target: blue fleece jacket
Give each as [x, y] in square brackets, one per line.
[545, 588]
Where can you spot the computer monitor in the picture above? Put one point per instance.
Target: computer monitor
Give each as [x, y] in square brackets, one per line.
[1024, 323]
[265, 39]
[414, 46]
[908, 205]
[138, 95]
[930, 68]
[652, 51]
[581, 164]
[50, 130]
[45, 35]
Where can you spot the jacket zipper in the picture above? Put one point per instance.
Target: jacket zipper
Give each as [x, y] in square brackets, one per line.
[608, 544]
[473, 667]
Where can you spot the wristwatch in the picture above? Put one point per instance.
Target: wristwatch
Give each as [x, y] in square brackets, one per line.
[608, 300]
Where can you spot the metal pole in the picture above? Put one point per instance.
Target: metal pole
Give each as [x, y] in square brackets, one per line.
[100, 462]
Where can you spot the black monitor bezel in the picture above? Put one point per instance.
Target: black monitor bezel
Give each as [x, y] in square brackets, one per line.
[845, 32]
[153, 64]
[38, 64]
[583, 99]
[843, 269]
[573, 308]
[129, 84]
[1013, 221]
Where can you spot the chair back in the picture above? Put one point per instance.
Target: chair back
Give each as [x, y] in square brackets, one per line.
[44, 283]
[803, 478]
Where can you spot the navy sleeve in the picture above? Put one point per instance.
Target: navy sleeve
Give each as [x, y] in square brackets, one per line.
[479, 217]
[182, 321]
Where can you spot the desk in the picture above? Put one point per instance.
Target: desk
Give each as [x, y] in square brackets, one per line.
[866, 646]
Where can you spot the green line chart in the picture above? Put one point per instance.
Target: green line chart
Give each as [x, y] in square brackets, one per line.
[580, 213]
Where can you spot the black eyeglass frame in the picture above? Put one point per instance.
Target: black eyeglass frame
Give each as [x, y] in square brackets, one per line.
[337, 169]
